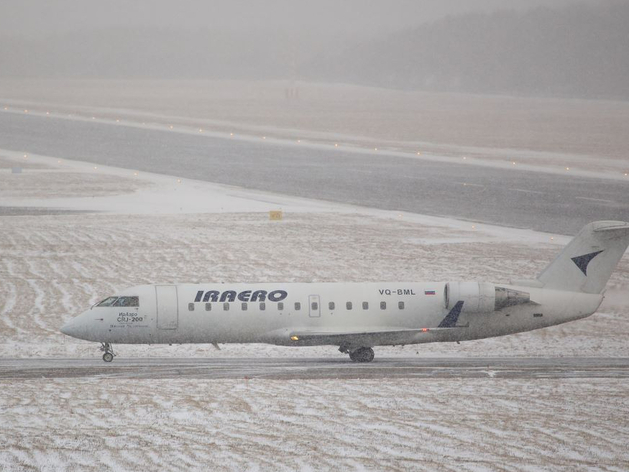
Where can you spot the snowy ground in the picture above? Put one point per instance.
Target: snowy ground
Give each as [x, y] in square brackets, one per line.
[315, 425]
[151, 228]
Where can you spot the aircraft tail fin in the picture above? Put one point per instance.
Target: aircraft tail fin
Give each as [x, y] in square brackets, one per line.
[588, 261]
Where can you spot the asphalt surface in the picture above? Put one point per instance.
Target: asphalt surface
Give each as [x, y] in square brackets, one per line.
[541, 201]
[31, 211]
[292, 369]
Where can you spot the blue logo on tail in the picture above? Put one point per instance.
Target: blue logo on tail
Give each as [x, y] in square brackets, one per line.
[583, 261]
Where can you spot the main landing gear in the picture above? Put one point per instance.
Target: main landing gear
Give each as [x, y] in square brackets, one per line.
[109, 352]
[361, 354]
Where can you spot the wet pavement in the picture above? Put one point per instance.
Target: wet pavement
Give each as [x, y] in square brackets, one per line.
[322, 368]
[541, 201]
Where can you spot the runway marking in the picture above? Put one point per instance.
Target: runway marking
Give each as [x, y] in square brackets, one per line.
[465, 184]
[594, 199]
[527, 191]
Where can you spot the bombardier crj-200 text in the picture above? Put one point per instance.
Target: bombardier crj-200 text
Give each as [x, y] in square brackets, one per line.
[358, 316]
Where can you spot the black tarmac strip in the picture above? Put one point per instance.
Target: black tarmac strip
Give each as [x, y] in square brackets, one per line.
[32, 211]
[555, 203]
[323, 368]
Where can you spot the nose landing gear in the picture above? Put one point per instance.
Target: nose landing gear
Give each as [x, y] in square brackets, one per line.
[109, 352]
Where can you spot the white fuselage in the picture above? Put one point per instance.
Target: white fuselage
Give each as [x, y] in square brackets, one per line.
[271, 313]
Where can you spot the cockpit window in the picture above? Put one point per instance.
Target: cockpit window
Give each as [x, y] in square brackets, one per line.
[108, 301]
[127, 301]
[120, 301]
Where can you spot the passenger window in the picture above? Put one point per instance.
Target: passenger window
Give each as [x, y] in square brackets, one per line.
[331, 305]
[297, 306]
[383, 305]
[244, 307]
[365, 305]
[226, 306]
[280, 306]
[400, 305]
[348, 305]
[108, 301]
[208, 307]
[262, 306]
[190, 306]
[315, 306]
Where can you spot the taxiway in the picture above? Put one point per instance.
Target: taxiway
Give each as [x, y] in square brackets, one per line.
[542, 201]
[322, 368]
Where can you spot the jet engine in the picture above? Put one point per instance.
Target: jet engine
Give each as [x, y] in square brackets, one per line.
[482, 297]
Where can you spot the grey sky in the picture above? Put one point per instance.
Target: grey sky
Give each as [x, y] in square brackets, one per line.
[345, 18]
[576, 51]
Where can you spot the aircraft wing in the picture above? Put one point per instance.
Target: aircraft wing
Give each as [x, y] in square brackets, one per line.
[364, 338]
[373, 337]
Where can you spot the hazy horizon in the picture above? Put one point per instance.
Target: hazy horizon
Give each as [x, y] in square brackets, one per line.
[481, 46]
[36, 19]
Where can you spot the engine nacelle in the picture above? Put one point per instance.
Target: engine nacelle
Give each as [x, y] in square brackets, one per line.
[482, 297]
[477, 297]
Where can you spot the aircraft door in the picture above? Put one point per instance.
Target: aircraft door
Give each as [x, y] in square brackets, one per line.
[314, 306]
[167, 306]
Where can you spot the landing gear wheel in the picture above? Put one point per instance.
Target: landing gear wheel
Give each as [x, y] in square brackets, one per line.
[109, 352]
[362, 354]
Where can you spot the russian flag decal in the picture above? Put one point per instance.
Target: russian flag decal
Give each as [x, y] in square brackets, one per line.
[429, 292]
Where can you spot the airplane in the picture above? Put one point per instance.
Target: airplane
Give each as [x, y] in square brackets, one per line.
[358, 316]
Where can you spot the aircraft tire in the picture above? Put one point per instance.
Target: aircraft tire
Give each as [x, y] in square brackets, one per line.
[108, 357]
[363, 354]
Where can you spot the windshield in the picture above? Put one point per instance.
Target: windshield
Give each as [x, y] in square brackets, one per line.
[127, 301]
[120, 301]
[107, 301]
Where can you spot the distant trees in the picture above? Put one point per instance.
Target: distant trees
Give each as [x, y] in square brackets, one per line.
[577, 51]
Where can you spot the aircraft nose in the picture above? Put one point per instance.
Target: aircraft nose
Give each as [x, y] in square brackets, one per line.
[68, 328]
[73, 328]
